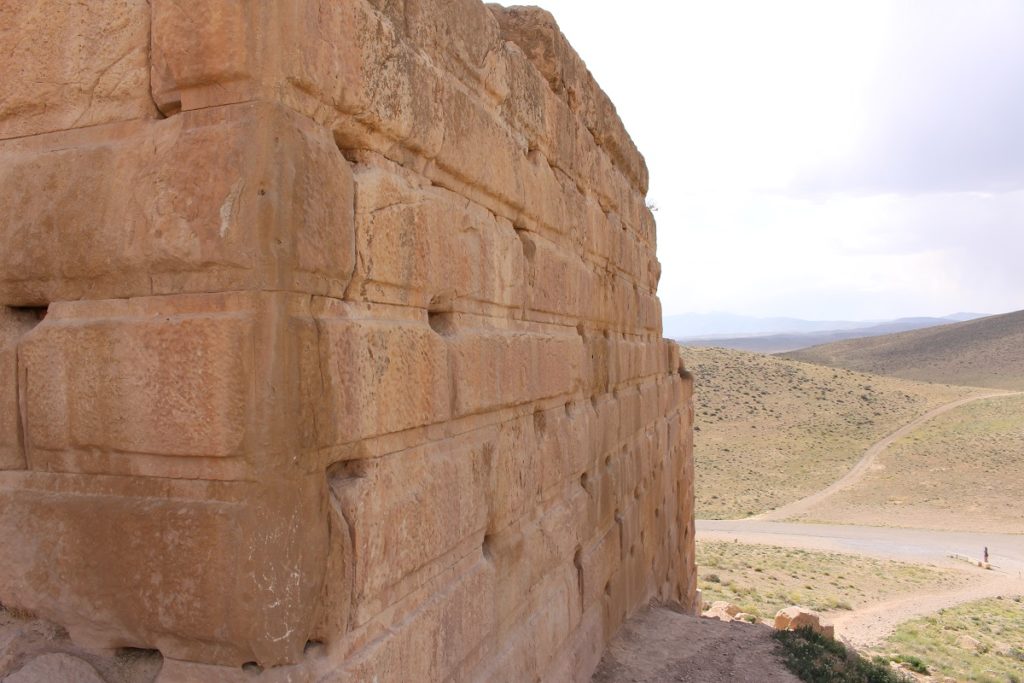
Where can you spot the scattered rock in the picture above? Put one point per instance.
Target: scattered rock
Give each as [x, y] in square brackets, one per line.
[55, 668]
[722, 610]
[968, 643]
[792, 618]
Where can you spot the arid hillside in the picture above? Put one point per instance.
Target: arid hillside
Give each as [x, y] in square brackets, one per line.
[769, 430]
[988, 352]
[951, 473]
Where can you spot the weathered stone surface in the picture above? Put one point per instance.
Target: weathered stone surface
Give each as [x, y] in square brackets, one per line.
[420, 245]
[70, 65]
[349, 367]
[226, 572]
[113, 377]
[379, 375]
[392, 548]
[204, 201]
[434, 639]
[14, 324]
[492, 367]
[205, 52]
[55, 667]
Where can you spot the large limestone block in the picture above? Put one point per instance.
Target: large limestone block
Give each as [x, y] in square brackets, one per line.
[603, 493]
[514, 473]
[460, 35]
[417, 244]
[355, 61]
[395, 552]
[14, 324]
[207, 52]
[72, 65]
[494, 367]
[561, 435]
[228, 198]
[582, 653]
[481, 150]
[525, 554]
[550, 613]
[194, 386]
[379, 374]
[637, 357]
[559, 281]
[224, 573]
[379, 90]
[152, 377]
[535, 31]
[598, 563]
[438, 635]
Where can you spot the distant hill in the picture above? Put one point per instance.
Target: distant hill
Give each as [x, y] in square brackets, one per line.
[769, 431]
[778, 343]
[987, 352]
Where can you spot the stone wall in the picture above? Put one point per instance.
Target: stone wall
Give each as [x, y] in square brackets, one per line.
[330, 342]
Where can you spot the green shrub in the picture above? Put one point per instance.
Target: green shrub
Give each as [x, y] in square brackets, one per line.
[818, 659]
[913, 663]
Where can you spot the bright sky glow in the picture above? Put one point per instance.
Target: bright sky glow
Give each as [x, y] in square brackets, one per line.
[823, 159]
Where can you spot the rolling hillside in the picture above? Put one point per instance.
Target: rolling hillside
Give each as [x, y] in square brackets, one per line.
[778, 343]
[951, 473]
[769, 430]
[987, 352]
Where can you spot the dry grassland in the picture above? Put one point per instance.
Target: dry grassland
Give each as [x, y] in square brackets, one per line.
[961, 471]
[770, 431]
[977, 641]
[762, 579]
[988, 352]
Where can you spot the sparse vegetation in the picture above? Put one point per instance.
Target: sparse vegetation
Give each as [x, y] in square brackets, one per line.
[761, 579]
[950, 473]
[977, 641]
[769, 430]
[817, 659]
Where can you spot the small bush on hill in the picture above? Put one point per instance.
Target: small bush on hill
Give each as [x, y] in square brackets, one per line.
[817, 659]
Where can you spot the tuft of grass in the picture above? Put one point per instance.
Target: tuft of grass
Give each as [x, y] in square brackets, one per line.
[817, 659]
[913, 662]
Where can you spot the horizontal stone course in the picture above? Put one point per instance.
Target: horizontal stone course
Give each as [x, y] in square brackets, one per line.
[213, 197]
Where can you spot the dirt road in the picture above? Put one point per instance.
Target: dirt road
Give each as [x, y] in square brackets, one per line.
[866, 626]
[857, 472]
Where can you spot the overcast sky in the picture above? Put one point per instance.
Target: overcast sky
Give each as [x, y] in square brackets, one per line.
[827, 160]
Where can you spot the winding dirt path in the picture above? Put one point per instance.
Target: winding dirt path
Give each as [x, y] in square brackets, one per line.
[857, 472]
[870, 625]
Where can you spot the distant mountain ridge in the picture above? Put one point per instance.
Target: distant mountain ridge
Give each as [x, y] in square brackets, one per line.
[985, 352]
[776, 335]
[721, 325]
